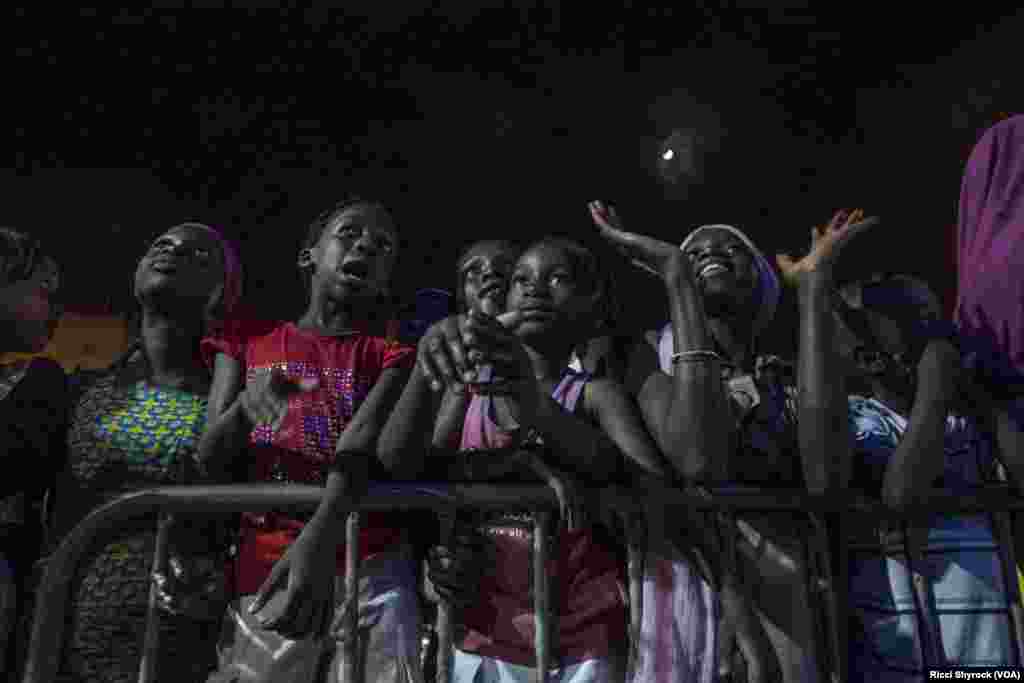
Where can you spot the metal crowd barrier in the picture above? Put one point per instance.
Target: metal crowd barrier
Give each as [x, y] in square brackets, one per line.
[828, 593]
[52, 598]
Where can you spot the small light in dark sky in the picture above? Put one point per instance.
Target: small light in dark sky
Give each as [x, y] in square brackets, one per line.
[679, 157]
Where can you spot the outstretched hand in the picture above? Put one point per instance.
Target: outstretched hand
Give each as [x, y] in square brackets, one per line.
[658, 258]
[299, 593]
[441, 354]
[265, 399]
[827, 244]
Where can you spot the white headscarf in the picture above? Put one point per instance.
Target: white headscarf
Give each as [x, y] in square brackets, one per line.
[768, 287]
[768, 290]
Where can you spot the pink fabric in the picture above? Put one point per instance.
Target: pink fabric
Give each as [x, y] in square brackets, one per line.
[679, 630]
[678, 634]
[479, 431]
[990, 242]
[591, 602]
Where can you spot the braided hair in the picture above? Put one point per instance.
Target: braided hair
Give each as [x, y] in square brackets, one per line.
[323, 220]
[590, 275]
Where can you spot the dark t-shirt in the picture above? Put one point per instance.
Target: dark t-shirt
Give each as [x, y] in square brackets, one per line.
[33, 426]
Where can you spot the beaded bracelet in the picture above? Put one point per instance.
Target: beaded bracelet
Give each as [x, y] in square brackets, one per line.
[694, 356]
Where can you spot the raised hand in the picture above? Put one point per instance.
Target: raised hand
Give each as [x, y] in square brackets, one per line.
[265, 399]
[442, 355]
[658, 258]
[827, 244]
[491, 340]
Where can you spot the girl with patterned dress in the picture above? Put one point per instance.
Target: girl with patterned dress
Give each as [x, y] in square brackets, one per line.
[909, 440]
[305, 402]
[33, 422]
[137, 425]
[579, 425]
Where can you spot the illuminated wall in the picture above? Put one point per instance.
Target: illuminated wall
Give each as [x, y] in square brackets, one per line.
[87, 341]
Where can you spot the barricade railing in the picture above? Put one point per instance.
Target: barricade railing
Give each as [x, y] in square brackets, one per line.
[51, 618]
[53, 593]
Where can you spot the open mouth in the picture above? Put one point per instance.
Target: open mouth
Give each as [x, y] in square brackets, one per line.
[714, 268]
[355, 271]
[164, 266]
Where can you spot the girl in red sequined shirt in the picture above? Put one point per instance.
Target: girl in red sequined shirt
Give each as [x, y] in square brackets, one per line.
[304, 402]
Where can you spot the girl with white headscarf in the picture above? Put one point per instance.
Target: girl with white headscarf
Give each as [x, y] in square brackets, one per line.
[687, 411]
[723, 293]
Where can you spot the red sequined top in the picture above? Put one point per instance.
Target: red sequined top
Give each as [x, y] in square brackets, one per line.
[301, 449]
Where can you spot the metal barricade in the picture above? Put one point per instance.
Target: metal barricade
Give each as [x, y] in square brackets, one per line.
[53, 593]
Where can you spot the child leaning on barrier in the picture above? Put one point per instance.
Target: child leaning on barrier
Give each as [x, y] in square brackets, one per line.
[911, 437]
[570, 423]
[305, 403]
[134, 426]
[686, 378]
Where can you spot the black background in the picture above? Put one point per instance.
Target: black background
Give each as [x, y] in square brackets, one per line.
[487, 120]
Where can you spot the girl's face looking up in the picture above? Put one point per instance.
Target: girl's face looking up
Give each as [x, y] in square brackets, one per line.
[547, 289]
[356, 253]
[484, 274]
[186, 260]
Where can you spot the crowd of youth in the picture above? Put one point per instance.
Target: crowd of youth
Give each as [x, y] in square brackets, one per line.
[531, 380]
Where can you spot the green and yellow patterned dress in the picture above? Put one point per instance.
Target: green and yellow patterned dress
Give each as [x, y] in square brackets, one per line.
[126, 435]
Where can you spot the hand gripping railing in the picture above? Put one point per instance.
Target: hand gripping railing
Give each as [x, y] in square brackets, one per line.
[52, 599]
[51, 610]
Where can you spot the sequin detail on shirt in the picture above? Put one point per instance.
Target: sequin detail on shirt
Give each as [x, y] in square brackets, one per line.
[322, 413]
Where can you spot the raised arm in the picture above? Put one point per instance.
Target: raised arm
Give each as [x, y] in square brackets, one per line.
[227, 426]
[619, 418]
[824, 432]
[918, 459]
[416, 424]
[450, 418]
[408, 434]
[686, 412]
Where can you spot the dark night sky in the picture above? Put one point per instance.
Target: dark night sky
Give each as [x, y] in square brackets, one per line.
[491, 121]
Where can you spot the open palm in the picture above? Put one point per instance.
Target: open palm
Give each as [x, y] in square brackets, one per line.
[827, 244]
[649, 254]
